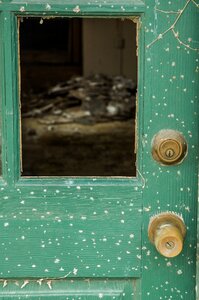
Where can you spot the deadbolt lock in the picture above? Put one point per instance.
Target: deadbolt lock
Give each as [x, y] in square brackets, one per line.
[169, 147]
[167, 232]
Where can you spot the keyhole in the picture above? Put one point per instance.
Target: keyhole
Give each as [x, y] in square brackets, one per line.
[170, 245]
[169, 153]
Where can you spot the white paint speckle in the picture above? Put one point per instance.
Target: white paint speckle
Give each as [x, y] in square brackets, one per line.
[22, 9]
[75, 270]
[76, 9]
[48, 6]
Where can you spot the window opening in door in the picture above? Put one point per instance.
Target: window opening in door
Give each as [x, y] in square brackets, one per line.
[78, 96]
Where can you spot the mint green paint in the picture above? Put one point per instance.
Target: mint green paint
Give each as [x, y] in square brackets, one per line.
[75, 8]
[103, 222]
[171, 101]
[72, 290]
[73, 230]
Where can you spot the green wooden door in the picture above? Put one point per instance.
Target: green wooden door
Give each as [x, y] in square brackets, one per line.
[86, 238]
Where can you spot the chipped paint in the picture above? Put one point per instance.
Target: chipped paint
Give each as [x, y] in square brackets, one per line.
[70, 289]
[92, 227]
[77, 9]
[179, 14]
[80, 241]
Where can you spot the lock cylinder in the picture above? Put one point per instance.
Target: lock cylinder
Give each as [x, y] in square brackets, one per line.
[169, 147]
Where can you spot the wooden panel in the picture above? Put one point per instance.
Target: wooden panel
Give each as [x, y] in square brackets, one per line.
[1, 80]
[71, 289]
[171, 102]
[169, 66]
[75, 8]
[73, 230]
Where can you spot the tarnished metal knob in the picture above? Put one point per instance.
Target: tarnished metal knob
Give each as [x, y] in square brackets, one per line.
[167, 232]
[169, 147]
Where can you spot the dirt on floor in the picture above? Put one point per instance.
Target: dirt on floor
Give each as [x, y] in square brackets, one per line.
[60, 149]
[81, 127]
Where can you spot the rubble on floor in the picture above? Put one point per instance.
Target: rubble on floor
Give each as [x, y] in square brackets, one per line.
[82, 127]
[92, 99]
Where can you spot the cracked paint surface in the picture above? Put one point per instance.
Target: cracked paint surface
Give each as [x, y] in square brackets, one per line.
[82, 231]
[58, 229]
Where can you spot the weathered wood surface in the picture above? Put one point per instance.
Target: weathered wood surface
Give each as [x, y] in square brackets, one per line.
[168, 98]
[71, 289]
[70, 231]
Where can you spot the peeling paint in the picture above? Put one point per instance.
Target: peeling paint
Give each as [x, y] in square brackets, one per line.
[92, 227]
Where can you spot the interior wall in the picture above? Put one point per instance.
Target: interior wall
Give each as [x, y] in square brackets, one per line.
[109, 46]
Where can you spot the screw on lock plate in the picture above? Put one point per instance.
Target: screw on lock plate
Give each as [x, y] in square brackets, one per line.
[169, 147]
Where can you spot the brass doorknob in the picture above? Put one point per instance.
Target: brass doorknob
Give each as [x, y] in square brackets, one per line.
[169, 147]
[167, 232]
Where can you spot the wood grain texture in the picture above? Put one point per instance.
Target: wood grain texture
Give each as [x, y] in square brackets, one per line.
[168, 99]
[72, 231]
[71, 289]
[170, 102]
[75, 8]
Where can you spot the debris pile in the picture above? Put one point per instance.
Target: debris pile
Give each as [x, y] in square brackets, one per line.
[92, 99]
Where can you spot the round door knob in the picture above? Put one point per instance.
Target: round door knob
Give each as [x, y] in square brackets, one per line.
[167, 232]
[169, 147]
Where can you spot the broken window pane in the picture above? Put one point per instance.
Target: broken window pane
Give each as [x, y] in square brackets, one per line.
[78, 96]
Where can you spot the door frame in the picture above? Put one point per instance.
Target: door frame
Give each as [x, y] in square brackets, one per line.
[152, 283]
